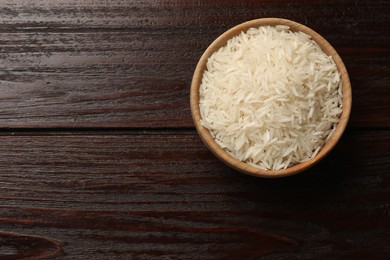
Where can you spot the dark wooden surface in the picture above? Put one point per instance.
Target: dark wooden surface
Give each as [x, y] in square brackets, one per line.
[99, 158]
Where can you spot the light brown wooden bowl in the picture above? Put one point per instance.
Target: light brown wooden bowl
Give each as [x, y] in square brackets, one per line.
[223, 155]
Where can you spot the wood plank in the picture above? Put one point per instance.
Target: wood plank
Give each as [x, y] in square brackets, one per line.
[75, 14]
[149, 194]
[129, 64]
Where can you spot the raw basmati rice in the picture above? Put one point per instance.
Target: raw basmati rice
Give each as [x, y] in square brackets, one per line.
[271, 97]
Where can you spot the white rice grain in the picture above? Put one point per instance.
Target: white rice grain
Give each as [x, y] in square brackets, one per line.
[271, 97]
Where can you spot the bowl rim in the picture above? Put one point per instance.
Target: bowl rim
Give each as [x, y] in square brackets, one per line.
[224, 156]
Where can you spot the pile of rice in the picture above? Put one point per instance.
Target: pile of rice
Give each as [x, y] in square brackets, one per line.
[271, 97]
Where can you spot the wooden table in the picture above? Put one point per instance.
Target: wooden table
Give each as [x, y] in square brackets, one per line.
[99, 158]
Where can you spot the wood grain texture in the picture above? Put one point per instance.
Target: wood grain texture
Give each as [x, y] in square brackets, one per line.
[74, 73]
[153, 194]
[126, 64]
[17, 246]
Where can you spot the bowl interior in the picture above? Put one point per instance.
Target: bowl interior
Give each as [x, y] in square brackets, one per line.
[209, 140]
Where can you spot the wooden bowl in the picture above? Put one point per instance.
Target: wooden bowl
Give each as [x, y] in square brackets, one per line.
[222, 154]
